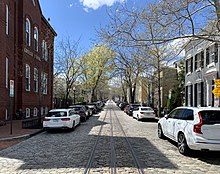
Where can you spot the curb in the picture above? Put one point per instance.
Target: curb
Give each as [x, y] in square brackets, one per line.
[26, 136]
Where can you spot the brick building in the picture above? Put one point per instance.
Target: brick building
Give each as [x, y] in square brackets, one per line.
[26, 58]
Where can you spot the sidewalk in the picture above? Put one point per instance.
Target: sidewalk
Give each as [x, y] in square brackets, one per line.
[18, 134]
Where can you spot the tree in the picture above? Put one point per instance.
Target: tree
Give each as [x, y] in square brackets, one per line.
[177, 94]
[68, 64]
[180, 19]
[98, 66]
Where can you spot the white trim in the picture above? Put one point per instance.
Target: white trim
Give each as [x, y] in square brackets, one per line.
[6, 20]
[35, 112]
[6, 72]
[27, 112]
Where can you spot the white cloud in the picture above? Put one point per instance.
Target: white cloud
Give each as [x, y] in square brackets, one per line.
[95, 4]
[71, 5]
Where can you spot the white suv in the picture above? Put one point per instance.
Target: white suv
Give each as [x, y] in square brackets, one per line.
[196, 128]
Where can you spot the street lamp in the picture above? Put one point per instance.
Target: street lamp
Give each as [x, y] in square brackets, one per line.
[74, 94]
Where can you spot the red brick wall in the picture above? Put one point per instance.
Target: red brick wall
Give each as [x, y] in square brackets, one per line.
[13, 47]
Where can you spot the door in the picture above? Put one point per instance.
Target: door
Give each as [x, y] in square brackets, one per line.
[172, 120]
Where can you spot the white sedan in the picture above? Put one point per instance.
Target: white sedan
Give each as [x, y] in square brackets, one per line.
[60, 119]
[143, 112]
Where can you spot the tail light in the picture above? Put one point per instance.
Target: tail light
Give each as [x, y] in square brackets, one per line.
[197, 128]
[65, 119]
[141, 112]
[46, 119]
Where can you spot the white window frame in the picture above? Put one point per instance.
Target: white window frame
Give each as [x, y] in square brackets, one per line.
[6, 72]
[6, 114]
[27, 113]
[44, 50]
[36, 36]
[36, 77]
[33, 2]
[44, 77]
[35, 112]
[46, 110]
[28, 32]
[42, 110]
[6, 20]
[27, 78]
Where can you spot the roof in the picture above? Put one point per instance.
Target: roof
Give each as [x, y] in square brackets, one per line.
[61, 110]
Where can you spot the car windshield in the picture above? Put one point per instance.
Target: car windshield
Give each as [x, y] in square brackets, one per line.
[147, 109]
[57, 114]
[210, 117]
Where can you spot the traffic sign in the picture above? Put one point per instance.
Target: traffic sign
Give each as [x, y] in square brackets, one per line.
[216, 91]
[217, 82]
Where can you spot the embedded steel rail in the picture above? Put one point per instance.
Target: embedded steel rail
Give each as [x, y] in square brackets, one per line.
[137, 163]
[113, 158]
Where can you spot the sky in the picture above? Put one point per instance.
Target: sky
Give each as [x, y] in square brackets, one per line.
[78, 18]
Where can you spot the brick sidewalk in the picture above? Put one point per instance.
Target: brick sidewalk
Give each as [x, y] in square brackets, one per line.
[17, 131]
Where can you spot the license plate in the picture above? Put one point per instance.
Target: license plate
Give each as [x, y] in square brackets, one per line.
[55, 120]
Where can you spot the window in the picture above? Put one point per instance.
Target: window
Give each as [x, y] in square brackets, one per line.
[44, 82]
[27, 78]
[176, 114]
[35, 39]
[35, 111]
[188, 114]
[6, 114]
[35, 80]
[28, 32]
[42, 111]
[189, 66]
[27, 113]
[6, 73]
[212, 54]
[199, 60]
[46, 110]
[33, 2]
[44, 51]
[6, 20]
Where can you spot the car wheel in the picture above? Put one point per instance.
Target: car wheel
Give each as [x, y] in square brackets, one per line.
[138, 119]
[73, 127]
[182, 144]
[160, 132]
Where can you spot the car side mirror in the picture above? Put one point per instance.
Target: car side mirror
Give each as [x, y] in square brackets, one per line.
[166, 116]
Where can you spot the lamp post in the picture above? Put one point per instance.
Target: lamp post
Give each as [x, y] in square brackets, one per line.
[74, 95]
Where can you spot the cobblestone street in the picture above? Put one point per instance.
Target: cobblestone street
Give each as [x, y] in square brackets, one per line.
[99, 144]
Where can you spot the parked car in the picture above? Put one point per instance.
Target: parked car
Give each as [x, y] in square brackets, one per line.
[131, 108]
[81, 110]
[196, 128]
[143, 112]
[61, 118]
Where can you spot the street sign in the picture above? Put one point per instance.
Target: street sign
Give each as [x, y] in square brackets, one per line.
[216, 91]
[217, 82]
[12, 88]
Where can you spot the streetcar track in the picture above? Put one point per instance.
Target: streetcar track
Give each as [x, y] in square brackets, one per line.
[91, 158]
[113, 156]
[137, 163]
[113, 160]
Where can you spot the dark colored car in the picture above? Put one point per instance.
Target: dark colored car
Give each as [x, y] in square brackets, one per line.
[131, 108]
[81, 110]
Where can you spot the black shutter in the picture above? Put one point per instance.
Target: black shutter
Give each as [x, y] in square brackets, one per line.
[202, 94]
[207, 56]
[191, 96]
[216, 53]
[202, 59]
[186, 96]
[191, 61]
[195, 95]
